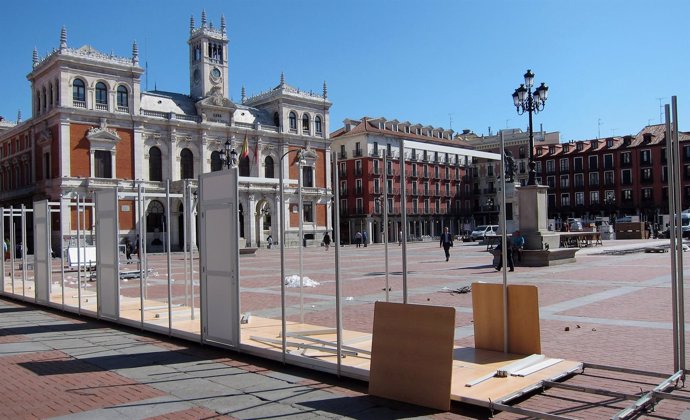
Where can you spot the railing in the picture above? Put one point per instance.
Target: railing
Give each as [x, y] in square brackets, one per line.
[79, 104]
[342, 155]
[357, 153]
[374, 153]
[101, 107]
[124, 109]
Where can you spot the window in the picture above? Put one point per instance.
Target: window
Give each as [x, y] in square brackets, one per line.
[317, 124]
[551, 181]
[608, 178]
[565, 181]
[276, 119]
[389, 184]
[646, 174]
[626, 195]
[414, 169]
[594, 197]
[565, 200]
[626, 177]
[594, 179]
[186, 164]
[101, 94]
[343, 187]
[579, 199]
[646, 157]
[550, 166]
[155, 216]
[78, 91]
[647, 194]
[377, 186]
[270, 168]
[122, 97]
[307, 176]
[375, 165]
[564, 164]
[579, 180]
[293, 121]
[626, 158]
[578, 164]
[608, 161]
[216, 163]
[358, 168]
[103, 164]
[243, 166]
[305, 123]
[593, 162]
[490, 170]
[376, 148]
[308, 212]
[359, 206]
[155, 167]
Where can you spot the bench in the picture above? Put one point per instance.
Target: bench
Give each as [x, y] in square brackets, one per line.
[84, 257]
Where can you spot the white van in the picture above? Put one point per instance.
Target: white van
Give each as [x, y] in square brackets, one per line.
[482, 231]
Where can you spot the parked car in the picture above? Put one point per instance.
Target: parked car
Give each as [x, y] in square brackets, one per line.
[482, 231]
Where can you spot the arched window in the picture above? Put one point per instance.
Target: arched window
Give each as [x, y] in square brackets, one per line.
[244, 166]
[293, 121]
[155, 215]
[186, 164]
[305, 123]
[122, 97]
[45, 99]
[50, 95]
[155, 164]
[78, 91]
[38, 102]
[317, 124]
[270, 170]
[216, 163]
[101, 94]
[276, 119]
[103, 164]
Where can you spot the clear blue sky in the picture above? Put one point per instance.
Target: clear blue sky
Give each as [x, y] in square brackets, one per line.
[422, 61]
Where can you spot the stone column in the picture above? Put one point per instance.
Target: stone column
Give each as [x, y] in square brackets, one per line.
[250, 221]
[533, 206]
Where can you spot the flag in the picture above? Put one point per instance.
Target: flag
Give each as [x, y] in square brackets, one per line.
[245, 148]
[256, 153]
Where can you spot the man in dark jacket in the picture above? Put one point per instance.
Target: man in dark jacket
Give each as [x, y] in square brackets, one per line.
[446, 242]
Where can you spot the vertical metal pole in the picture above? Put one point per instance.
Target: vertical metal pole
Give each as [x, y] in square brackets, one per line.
[2, 237]
[79, 254]
[63, 207]
[403, 214]
[168, 252]
[680, 287]
[13, 244]
[185, 238]
[301, 241]
[281, 239]
[140, 245]
[24, 248]
[385, 220]
[191, 247]
[673, 210]
[504, 246]
[336, 240]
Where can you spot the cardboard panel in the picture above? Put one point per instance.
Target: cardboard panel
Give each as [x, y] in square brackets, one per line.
[523, 318]
[107, 255]
[412, 353]
[42, 251]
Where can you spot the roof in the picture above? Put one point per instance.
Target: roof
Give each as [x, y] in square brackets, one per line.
[161, 101]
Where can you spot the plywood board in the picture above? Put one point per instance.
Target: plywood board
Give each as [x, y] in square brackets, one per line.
[412, 353]
[523, 318]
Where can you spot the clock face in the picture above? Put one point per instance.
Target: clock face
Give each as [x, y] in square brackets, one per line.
[215, 73]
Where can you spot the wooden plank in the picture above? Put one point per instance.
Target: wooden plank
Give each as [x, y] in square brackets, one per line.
[487, 309]
[412, 354]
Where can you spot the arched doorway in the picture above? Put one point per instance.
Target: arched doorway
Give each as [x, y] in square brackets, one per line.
[263, 221]
[155, 225]
[241, 216]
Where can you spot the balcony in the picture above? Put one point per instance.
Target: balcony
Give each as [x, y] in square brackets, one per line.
[358, 171]
[101, 107]
[357, 153]
[375, 153]
[342, 155]
[375, 172]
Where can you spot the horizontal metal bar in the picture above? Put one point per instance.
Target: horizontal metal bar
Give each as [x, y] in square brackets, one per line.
[589, 390]
[527, 412]
[667, 396]
[330, 343]
[303, 346]
[624, 370]
[648, 398]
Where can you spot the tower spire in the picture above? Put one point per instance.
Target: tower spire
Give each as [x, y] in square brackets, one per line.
[282, 78]
[63, 38]
[191, 24]
[135, 53]
[35, 57]
[19, 116]
[325, 90]
[203, 18]
[244, 94]
[222, 23]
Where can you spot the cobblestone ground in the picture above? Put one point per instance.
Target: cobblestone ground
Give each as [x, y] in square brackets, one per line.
[605, 309]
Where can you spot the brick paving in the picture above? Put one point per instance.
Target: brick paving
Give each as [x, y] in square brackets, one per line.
[616, 309]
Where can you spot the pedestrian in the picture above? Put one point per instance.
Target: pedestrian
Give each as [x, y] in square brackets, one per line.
[648, 230]
[446, 242]
[365, 238]
[128, 250]
[400, 238]
[358, 239]
[518, 244]
[509, 257]
[269, 239]
[326, 241]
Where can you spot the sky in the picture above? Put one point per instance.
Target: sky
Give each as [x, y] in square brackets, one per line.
[610, 64]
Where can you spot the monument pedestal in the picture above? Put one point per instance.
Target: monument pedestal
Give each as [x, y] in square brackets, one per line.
[541, 245]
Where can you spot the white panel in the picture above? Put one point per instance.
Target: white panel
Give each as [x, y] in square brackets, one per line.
[107, 264]
[42, 254]
[219, 257]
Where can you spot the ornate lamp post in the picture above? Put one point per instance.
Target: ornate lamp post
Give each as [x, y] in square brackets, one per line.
[228, 156]
[531, 102]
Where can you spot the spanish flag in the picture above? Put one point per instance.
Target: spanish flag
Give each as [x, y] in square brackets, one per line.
[245, 147]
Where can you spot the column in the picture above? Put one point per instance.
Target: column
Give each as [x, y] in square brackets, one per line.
[250, 217]
[138, 160]
[65, 156]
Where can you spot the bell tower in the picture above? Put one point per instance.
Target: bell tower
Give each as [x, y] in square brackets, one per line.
[208, 58]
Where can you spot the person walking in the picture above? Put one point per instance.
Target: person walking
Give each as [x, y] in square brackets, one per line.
[446, 242]
[518, 243]
[269, 239]
[365, 238]
[358, 239]
[326, 241]
[509, 257]
[400, 238]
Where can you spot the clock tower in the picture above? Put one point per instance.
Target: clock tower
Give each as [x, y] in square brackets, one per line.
[208, 58]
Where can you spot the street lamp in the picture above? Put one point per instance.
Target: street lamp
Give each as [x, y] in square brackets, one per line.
[527, 101]
[228, 155]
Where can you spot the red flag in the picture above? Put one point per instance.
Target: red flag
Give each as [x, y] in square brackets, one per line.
[245, 147]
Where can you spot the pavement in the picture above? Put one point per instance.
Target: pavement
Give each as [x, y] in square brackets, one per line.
[612, 307]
